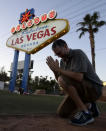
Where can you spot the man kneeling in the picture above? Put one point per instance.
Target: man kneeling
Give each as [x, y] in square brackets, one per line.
[77, 77]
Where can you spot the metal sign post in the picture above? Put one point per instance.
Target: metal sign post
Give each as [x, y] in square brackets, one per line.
[26, 72]
[14, 71]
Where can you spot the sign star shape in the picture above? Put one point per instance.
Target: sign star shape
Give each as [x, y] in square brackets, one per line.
[25, 17]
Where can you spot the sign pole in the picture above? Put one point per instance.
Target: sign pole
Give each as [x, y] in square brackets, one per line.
[14, 71]
[26, 72]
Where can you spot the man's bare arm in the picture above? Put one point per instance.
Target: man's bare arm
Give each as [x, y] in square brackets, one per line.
[54, 66]
[73, 75]
[56, 74]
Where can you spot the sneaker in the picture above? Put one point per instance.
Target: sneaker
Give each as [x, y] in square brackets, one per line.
[81, 119]
[94, 110]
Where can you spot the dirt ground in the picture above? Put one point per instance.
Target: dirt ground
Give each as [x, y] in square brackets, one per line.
[47, 123]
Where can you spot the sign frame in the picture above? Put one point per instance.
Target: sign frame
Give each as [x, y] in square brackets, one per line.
[48, 41]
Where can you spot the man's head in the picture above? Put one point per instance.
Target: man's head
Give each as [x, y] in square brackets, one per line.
[60, 48]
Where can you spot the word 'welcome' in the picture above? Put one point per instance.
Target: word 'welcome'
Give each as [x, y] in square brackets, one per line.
[34, 21]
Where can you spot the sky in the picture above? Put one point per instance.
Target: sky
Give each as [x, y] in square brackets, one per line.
[73, 11]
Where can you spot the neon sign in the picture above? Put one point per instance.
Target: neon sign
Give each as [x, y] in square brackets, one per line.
[34, 33]
[26, 22]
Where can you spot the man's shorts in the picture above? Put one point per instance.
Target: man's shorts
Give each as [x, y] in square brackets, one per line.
[87, 90]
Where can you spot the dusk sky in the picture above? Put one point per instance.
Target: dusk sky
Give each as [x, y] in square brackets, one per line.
[73, 11]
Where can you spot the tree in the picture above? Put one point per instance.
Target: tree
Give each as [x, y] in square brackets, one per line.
[91, 25]
[3, 75]
[35, 84]
[43, 83]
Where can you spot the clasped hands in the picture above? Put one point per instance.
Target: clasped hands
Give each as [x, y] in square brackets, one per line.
[53, 64]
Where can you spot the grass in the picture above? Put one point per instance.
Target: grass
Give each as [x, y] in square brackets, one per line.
[32, 104]
[102, 106]
[28, 104]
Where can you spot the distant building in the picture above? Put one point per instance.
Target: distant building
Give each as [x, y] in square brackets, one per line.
[20, 69]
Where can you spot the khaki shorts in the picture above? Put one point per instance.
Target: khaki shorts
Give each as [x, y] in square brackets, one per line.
[87, 90]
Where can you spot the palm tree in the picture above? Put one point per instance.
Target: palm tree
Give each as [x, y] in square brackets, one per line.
[91, 25]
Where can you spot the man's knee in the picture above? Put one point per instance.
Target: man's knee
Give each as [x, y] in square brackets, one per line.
[61, 82]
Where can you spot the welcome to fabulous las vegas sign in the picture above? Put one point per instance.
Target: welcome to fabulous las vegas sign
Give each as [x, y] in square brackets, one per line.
[31, 35]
